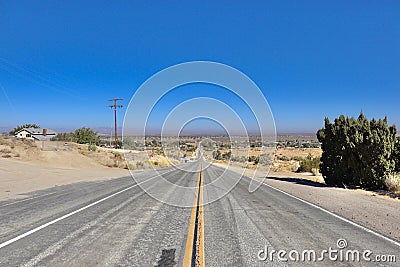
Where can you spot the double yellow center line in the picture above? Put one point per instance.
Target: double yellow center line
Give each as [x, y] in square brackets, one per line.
[194, 251]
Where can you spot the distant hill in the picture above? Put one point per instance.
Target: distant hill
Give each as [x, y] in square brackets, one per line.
[5, 129]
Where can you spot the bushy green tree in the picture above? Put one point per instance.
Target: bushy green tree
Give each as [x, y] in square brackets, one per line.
[67, 137]
[80, 136]
[86, 136]
[20, 127]
[357, 152]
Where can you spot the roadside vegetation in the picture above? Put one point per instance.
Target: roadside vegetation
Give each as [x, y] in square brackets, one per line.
[310, 164]
[356, 153]
[360, 153]
[81, 136]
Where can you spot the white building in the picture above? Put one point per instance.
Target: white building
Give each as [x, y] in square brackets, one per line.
[41, 134]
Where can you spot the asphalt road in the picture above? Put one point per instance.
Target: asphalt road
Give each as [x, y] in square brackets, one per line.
[116, 223]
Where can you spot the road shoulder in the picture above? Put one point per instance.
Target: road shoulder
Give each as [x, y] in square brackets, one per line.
[368, 209]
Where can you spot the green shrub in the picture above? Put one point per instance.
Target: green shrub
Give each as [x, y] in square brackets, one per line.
[217, 155]
[254, 159]
[283, 158]
[86, 135]
[357, 152]
[227, 155]
[309, 164]
[92, 147]
[81, 136]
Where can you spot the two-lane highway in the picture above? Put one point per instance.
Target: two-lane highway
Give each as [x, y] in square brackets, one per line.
[116, 223]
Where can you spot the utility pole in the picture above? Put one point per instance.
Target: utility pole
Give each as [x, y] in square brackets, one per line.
[115, 106]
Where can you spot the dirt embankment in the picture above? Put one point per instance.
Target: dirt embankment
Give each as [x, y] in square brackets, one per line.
[72, 155]
[26, 165]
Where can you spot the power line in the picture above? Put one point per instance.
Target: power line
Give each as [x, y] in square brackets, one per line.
[115, 106]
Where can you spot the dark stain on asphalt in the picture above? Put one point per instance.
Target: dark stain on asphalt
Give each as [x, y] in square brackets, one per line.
[167, 258]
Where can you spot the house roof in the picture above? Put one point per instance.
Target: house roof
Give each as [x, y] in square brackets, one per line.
[37, 131]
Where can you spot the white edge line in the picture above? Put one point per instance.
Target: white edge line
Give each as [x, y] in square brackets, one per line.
[324, 210]
[71, 213]
[332, 214]
[119, 192]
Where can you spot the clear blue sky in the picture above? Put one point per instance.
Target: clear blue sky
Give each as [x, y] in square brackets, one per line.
[61, 60]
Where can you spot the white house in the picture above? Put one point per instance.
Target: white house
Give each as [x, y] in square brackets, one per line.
[41, 134]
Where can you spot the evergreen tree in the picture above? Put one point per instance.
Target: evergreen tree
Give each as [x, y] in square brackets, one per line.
[86, 136]
[20, 127]
[357, 152]
[67, 137]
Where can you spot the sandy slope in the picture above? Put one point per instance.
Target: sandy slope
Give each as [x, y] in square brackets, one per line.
[18, 177]
[26, 165]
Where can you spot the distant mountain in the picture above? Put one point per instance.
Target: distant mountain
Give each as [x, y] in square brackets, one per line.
[5, 129]
[99, 130]
[106, 130]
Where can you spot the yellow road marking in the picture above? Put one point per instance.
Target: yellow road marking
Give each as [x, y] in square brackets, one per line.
[200, 254]
[187, 260]
[199, 211]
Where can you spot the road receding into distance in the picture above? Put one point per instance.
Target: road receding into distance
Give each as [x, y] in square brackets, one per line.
[115, 223]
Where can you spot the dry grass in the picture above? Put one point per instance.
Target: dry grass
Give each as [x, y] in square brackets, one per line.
[292, 153]
[11, 147]
[66, 154]
[285, 166]
[286, 159]
[393, 183]
[29, 150]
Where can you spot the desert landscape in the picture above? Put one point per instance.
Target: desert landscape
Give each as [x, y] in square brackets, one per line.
[291, 163]
[41, 165]
[37, 169]
[209, 133]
